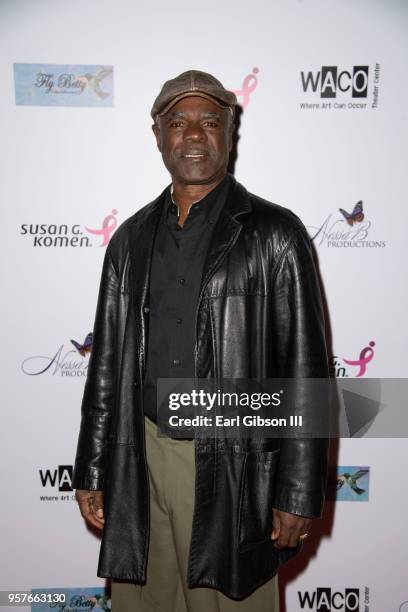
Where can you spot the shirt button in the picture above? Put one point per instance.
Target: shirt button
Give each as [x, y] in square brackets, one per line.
[176, 362]
[146, 309]
[179, 320]
[182, 281]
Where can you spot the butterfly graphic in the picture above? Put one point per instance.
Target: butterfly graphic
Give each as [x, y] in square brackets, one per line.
[356, 216]
[84, 348]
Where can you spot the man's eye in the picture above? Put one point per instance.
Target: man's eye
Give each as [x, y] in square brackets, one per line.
[176, 124]
[210, 124]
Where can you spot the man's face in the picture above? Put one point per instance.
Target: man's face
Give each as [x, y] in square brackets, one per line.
[195, 139]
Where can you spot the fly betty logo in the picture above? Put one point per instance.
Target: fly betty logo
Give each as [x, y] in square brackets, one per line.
[335, 88]
[53, 235]
[73, 599]
[357, 367]
[66, 362]
[63, 85]
[349, 229]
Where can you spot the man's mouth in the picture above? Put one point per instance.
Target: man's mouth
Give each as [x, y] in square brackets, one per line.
[195, 155]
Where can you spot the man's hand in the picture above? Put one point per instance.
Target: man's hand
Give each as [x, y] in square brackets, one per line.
[288, 528]
[91, 506]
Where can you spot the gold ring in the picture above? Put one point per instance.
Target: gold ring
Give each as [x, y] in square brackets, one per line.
[302, 537]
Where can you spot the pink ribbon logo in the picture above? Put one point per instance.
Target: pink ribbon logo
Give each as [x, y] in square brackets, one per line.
[249, 85]
[108, 225]
[366, 356]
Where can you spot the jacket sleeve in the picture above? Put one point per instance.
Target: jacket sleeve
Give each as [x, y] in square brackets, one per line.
[99, 391]
[300, 352]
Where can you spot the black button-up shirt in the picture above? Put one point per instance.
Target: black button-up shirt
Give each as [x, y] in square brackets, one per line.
[177, 266]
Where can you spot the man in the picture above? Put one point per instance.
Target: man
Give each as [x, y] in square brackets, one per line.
[206, 281]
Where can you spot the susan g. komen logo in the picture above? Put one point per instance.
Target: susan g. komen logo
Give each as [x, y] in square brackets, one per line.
[71, 362]
[366, 355]
[108, 226]
[249, 85]
[357, 367]
[349, 229]
[72, 235]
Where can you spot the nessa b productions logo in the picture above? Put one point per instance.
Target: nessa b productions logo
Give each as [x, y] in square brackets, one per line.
[52, 235]
[327, 600]
[57, 482]
[351, 228]
[338, 88]
[67, 363]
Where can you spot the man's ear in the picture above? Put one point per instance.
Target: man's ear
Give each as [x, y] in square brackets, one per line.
[156, 131]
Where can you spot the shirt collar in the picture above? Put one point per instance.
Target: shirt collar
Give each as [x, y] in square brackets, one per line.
[208, 206]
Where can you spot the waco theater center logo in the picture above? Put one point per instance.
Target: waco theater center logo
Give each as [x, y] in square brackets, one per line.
[327, 599]
[337, 88]
[56, 483]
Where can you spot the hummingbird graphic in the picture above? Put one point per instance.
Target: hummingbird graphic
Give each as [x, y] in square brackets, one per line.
[351, 480]
[101, 602]
[94, 80]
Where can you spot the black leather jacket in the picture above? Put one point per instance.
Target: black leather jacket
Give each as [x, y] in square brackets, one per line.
[259, 316]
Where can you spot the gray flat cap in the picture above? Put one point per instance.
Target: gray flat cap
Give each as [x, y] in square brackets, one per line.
[192, 83]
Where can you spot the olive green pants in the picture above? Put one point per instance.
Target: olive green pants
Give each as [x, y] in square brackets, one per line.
[171, 466]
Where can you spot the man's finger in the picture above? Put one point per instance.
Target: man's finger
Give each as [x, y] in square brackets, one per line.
[90, 505]
[276, 526]
[90, 517]
[294, 537]
[97, 504]
[284, 537]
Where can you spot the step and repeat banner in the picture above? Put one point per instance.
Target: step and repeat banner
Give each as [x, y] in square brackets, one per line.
[323, 132]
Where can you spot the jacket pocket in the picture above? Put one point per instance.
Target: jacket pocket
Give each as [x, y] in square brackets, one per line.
[255, 521]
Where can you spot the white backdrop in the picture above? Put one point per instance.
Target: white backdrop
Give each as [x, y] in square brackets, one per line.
[74, 165]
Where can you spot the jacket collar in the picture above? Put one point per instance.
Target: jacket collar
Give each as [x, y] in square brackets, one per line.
[142, 232]
[238, 201]
[226, 231]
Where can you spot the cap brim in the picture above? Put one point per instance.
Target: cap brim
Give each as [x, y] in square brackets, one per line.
[189, 94]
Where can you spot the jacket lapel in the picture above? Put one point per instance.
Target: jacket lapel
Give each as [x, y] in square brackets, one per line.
[142, 232]
[226, 231]
[141, 235]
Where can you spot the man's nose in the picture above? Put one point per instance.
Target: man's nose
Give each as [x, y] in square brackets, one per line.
[195, 133]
